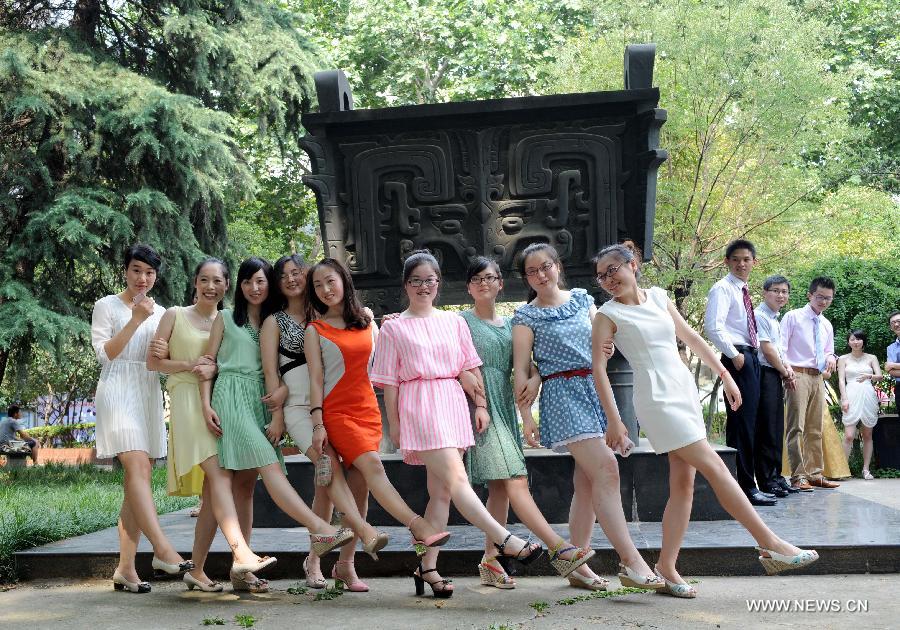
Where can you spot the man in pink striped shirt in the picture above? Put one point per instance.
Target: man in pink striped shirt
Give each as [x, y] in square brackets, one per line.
[808, 340]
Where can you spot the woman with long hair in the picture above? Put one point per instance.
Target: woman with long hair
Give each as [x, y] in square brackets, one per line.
[554, 330]
[497, 459]
[644, 325]
[235, 413]
[281, 343]
[129, 406]
[339, 347]
[193, 462]
[419, 357]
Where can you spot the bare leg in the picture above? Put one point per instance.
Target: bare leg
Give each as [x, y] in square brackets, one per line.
[867, 446]
[129, 537]
[730, 496]
[437, 512]
[849, 437]
[339, 493]
[371, 468]
[143, 509]
[599, 465]
[582, 517]
[204, 532]
[676, 516]
[243, 484]
[289, 502]
[497, 505]
[321, 507]
[446, 465]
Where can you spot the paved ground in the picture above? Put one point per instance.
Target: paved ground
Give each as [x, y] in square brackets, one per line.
[723, 603]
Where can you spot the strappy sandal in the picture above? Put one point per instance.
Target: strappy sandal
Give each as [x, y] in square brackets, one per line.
[493, 576]
[534, 554]
[578, 580]
[630, 577]
[565, 567]
[323, 543]
[420, 582]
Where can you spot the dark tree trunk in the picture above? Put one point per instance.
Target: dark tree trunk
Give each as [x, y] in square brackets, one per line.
[86, 20]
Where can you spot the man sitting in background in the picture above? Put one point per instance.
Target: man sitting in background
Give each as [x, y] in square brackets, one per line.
[892, 365]
[11, 429]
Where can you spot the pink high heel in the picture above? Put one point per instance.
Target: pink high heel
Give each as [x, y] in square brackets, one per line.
[435, 540]
[354, 584]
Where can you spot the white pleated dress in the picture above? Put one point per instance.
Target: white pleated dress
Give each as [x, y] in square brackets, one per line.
[665, 398]
[129, 397]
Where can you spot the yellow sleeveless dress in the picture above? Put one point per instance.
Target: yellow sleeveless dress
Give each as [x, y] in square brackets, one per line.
[190, 442]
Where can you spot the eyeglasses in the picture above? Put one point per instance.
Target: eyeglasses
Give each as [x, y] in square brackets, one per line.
[546, 267]
[610, 272]
[822, 298]
[428, 282]
[483, 279]
[779, 291]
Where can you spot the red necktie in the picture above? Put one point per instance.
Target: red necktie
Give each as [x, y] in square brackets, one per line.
[751, 318]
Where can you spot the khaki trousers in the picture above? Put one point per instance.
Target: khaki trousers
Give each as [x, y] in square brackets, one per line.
[803, 426]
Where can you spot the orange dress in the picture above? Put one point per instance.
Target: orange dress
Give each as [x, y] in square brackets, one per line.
[349, 410]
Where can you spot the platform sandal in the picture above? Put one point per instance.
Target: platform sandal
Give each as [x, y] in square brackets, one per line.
[420, 582]
[534, 553]
[492, 575]
[565, 567]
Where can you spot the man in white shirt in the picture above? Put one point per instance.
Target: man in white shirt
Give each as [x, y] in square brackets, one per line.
[808, 341]
[730, 324]
[773, 369]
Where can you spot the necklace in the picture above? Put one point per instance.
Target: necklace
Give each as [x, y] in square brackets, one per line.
[254, 333]
[205, 320]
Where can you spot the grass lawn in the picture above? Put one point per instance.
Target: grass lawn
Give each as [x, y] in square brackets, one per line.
[43, 504]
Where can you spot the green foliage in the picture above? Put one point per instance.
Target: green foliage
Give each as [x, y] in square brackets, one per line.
[297, 589]
[432, 51]
[65, 433]
[540, 606]
[866, 292]
[43, 504]
[213, 621]
[245, 621]
[328, 594]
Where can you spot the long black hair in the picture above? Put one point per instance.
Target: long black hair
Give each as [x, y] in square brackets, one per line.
[210, 260]
[552, 254]
[246, 271]
[354, 314]
[278, 299]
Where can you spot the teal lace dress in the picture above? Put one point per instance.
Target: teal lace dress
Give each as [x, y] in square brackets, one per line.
[497, 453]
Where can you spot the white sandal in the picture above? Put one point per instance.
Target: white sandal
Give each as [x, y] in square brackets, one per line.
[675, 589]
[775, 562]
[867, 475]
[630, 577]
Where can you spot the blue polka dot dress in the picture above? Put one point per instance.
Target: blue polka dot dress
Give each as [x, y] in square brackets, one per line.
[569, 407]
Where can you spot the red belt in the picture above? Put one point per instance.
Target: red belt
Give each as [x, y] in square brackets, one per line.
[568, 374]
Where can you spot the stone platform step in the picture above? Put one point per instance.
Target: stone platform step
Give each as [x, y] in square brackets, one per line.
[643, 482]
[852, 535]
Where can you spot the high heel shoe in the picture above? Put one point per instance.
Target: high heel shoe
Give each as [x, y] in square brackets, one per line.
[172, 569]
[121, 584]
[312, 582]
[418, 578]
[684, 591]
[588, 583]
[534, 553]
[565, 567]
[435, 540]
[252, 567]
[492, 576]
[775, 562]
[354, 584]
[323, 543]
[630, 577]
[378, 542]
[239, 582]
[206, 587]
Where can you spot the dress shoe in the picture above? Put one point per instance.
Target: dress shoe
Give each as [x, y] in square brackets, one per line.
[777, 491]
[784, 485]
[821, 482]
[758, 498]
[767, 494]
[802, 486]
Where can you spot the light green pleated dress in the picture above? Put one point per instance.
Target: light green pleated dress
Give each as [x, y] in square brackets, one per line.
[236, 399]
[497, 453]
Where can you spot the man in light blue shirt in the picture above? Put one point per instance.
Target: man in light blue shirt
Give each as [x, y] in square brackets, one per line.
[892, 366]
[775, 374]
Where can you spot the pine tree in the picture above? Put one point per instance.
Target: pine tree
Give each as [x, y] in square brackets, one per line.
[124, 122]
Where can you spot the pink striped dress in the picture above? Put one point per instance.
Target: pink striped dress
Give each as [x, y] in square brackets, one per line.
[423, 356]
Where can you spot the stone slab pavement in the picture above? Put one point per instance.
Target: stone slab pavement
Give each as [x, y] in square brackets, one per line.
[820, 602]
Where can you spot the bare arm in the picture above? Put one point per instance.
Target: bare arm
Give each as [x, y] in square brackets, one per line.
[875, 368]
[523, 345]
[392, 407]
[166, 365]
[699, 347]
[312, 348]
[602, 331]
[212, 350]
[139, 314]
[842, 377]
[269, 337]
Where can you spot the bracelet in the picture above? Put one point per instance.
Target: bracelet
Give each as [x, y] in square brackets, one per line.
[318, 426]
[314, 409]
[723, 372]
[481, 406]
